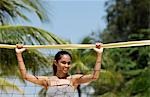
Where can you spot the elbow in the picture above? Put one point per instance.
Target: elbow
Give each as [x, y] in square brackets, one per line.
[95, 76]
[25, 77]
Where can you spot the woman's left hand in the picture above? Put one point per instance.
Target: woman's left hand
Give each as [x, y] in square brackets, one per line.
[98, 48]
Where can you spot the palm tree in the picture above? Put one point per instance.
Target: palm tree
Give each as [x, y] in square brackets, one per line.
[31, 35]
[12, 10]
[25, 35]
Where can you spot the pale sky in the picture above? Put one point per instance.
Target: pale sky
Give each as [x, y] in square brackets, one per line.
[73, 19]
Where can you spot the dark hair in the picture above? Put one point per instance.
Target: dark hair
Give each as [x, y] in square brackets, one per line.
[58, 57]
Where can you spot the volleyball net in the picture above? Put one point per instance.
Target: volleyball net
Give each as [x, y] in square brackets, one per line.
[13, 87]
[83, 46]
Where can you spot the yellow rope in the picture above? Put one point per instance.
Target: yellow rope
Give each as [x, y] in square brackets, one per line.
[82, 46]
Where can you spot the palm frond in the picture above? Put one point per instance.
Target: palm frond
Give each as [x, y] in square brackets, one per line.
[12, 9]
[37, 7]
[27, 35]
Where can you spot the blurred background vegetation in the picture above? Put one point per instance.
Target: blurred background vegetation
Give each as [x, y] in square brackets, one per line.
[125, 71]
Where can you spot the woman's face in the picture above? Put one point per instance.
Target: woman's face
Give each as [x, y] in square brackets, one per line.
[64, 63]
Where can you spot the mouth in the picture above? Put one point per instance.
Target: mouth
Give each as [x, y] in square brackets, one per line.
[66, 69]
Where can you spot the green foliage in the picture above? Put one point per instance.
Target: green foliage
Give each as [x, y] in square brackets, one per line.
[25, 35]
[126, 19]
[11, 10]
[127, 69]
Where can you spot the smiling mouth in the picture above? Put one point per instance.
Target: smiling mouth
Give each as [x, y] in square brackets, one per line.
[65, 69]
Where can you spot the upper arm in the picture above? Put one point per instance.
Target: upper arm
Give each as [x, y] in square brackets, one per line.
[40, 80]
[80, 79]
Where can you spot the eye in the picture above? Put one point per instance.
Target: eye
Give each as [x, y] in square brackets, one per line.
[64, 62]
[69, 63]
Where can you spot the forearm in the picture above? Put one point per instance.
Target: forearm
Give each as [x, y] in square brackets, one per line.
[22, 67]
[97, 67]
[93, 76]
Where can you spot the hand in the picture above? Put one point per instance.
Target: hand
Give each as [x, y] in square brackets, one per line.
[19, 48]
[99, 48]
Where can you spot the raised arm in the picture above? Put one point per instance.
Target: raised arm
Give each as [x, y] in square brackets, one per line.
[40, 80]
[95, 74]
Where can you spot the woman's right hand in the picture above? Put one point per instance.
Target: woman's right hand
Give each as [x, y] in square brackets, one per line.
[19, 48]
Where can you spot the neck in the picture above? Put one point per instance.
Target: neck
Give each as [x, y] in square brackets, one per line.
[61, 75]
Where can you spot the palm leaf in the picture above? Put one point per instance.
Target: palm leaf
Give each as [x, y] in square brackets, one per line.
[37, 7]
[25, 35]
[12, 9]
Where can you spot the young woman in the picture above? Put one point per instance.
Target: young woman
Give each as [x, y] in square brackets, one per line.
[60, 84]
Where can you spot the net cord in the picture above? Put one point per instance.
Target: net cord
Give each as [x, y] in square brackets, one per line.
[82, 46]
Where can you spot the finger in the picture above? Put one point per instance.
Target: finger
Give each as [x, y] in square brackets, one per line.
[23, 49]
[19, 46]
[98, 45]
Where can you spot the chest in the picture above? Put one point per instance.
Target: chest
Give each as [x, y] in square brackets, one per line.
[59, 82]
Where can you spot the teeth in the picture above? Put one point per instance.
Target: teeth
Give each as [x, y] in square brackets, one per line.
[66, 69]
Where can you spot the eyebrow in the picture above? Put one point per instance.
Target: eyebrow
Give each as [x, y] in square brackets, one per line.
[66, 61]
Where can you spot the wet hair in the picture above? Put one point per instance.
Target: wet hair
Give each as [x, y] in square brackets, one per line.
[58, 57]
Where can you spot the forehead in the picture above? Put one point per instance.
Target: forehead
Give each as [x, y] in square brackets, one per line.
[65, 58]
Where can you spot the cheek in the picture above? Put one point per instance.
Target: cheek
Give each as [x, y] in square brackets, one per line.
[69, 66]
[59, 66]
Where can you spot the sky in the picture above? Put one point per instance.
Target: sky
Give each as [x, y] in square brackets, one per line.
[73, 19]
